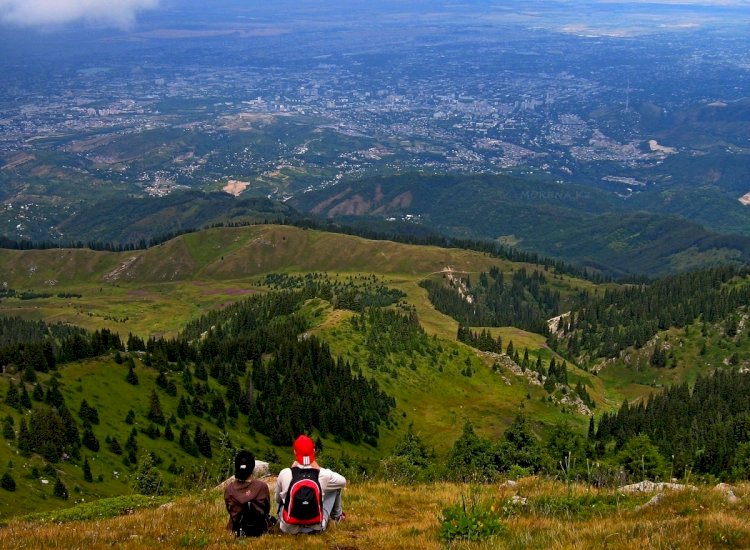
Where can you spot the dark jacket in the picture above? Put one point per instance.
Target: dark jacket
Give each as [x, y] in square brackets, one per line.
[238, 493]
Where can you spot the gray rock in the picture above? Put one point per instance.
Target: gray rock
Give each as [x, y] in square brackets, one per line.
[651, 487]
[656, 499]
[728, 492]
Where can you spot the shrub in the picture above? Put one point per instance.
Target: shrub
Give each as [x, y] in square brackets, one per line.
[398, 469]
[470, 521]
[147, 478]
[7, 482]
[471, 457]
[60, 490]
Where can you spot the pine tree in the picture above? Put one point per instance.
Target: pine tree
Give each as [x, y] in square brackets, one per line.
[88, 413]
[182, 408]
[53, 397]
[29, 374]
[88, 439]
[38, 393]
[203, 441]
[187, 381]
[187, 443]
[25, 444]
[132, 377]
[155, 413]
[60, 490]
[7, 482]
[8, 432]
[147, 478]
[87, 471]
[12, 398]
[25, 399]
[131, 445]
[200, 372]
[71, 437]
[114, 446]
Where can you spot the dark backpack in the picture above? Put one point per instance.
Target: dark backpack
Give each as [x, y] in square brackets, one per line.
[250, 522]
[303, 504]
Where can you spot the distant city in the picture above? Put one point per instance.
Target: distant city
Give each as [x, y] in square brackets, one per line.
[279, 115]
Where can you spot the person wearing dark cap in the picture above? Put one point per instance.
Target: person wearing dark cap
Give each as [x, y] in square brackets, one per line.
[248, 500]
[306, 468]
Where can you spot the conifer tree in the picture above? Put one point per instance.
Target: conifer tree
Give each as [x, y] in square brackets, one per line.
[8, 432]
[25, 399]
[155, 414]
[38, 393]
[88, 439]
[131, 445]
[87, 471]
[88, 413]
[200, 371]
[7, 482]
[25, 444]
[60, 490]
[114, 446]
[182, 408]
[187, 381]
[71, 437]
[132, 377]
[12, 398]
[147, 477]
[29, 375]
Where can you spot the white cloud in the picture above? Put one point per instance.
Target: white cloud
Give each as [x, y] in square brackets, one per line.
[120, 13]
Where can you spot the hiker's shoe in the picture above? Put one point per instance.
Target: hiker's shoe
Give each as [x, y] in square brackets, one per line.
[341, 517]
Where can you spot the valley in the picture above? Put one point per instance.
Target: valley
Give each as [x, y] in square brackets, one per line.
[492, 257]
[438, 384]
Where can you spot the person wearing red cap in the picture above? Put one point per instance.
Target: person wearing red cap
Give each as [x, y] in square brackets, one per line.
[331, 484]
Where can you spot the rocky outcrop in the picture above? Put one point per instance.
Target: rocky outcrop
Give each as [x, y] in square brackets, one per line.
[652, 487]
[728, 492]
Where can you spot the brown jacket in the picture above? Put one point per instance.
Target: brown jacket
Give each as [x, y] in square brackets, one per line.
[237, 493]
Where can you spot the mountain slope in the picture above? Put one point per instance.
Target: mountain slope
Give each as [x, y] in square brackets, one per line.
[577, 223]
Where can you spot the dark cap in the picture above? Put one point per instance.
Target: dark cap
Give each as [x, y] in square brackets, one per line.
[244, 464]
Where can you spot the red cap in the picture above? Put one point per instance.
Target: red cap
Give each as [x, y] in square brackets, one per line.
[304, 450]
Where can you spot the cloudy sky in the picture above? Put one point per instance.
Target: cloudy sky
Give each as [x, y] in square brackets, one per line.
[119, 13]
[123, 13]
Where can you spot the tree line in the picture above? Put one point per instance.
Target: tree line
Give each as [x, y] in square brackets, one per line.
[525, 301]
[705, 429]
[604, 326]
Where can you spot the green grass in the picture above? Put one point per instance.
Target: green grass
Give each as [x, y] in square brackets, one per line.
[100, 509]
[166, 286]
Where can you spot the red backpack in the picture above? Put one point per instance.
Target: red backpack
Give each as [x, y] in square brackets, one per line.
[303, 504]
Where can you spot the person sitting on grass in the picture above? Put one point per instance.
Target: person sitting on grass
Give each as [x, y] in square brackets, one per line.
[308, 495]
[248, 501]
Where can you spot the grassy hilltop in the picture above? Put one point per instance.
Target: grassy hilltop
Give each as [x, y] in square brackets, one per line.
[157, 291]
[387, 516]
[437, 386]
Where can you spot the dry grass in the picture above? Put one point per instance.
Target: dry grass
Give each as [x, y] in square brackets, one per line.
[380, 515]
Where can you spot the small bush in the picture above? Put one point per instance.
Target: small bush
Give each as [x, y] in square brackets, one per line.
[7, 482]
[398, 469]
[470, 521]
[60, 490]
